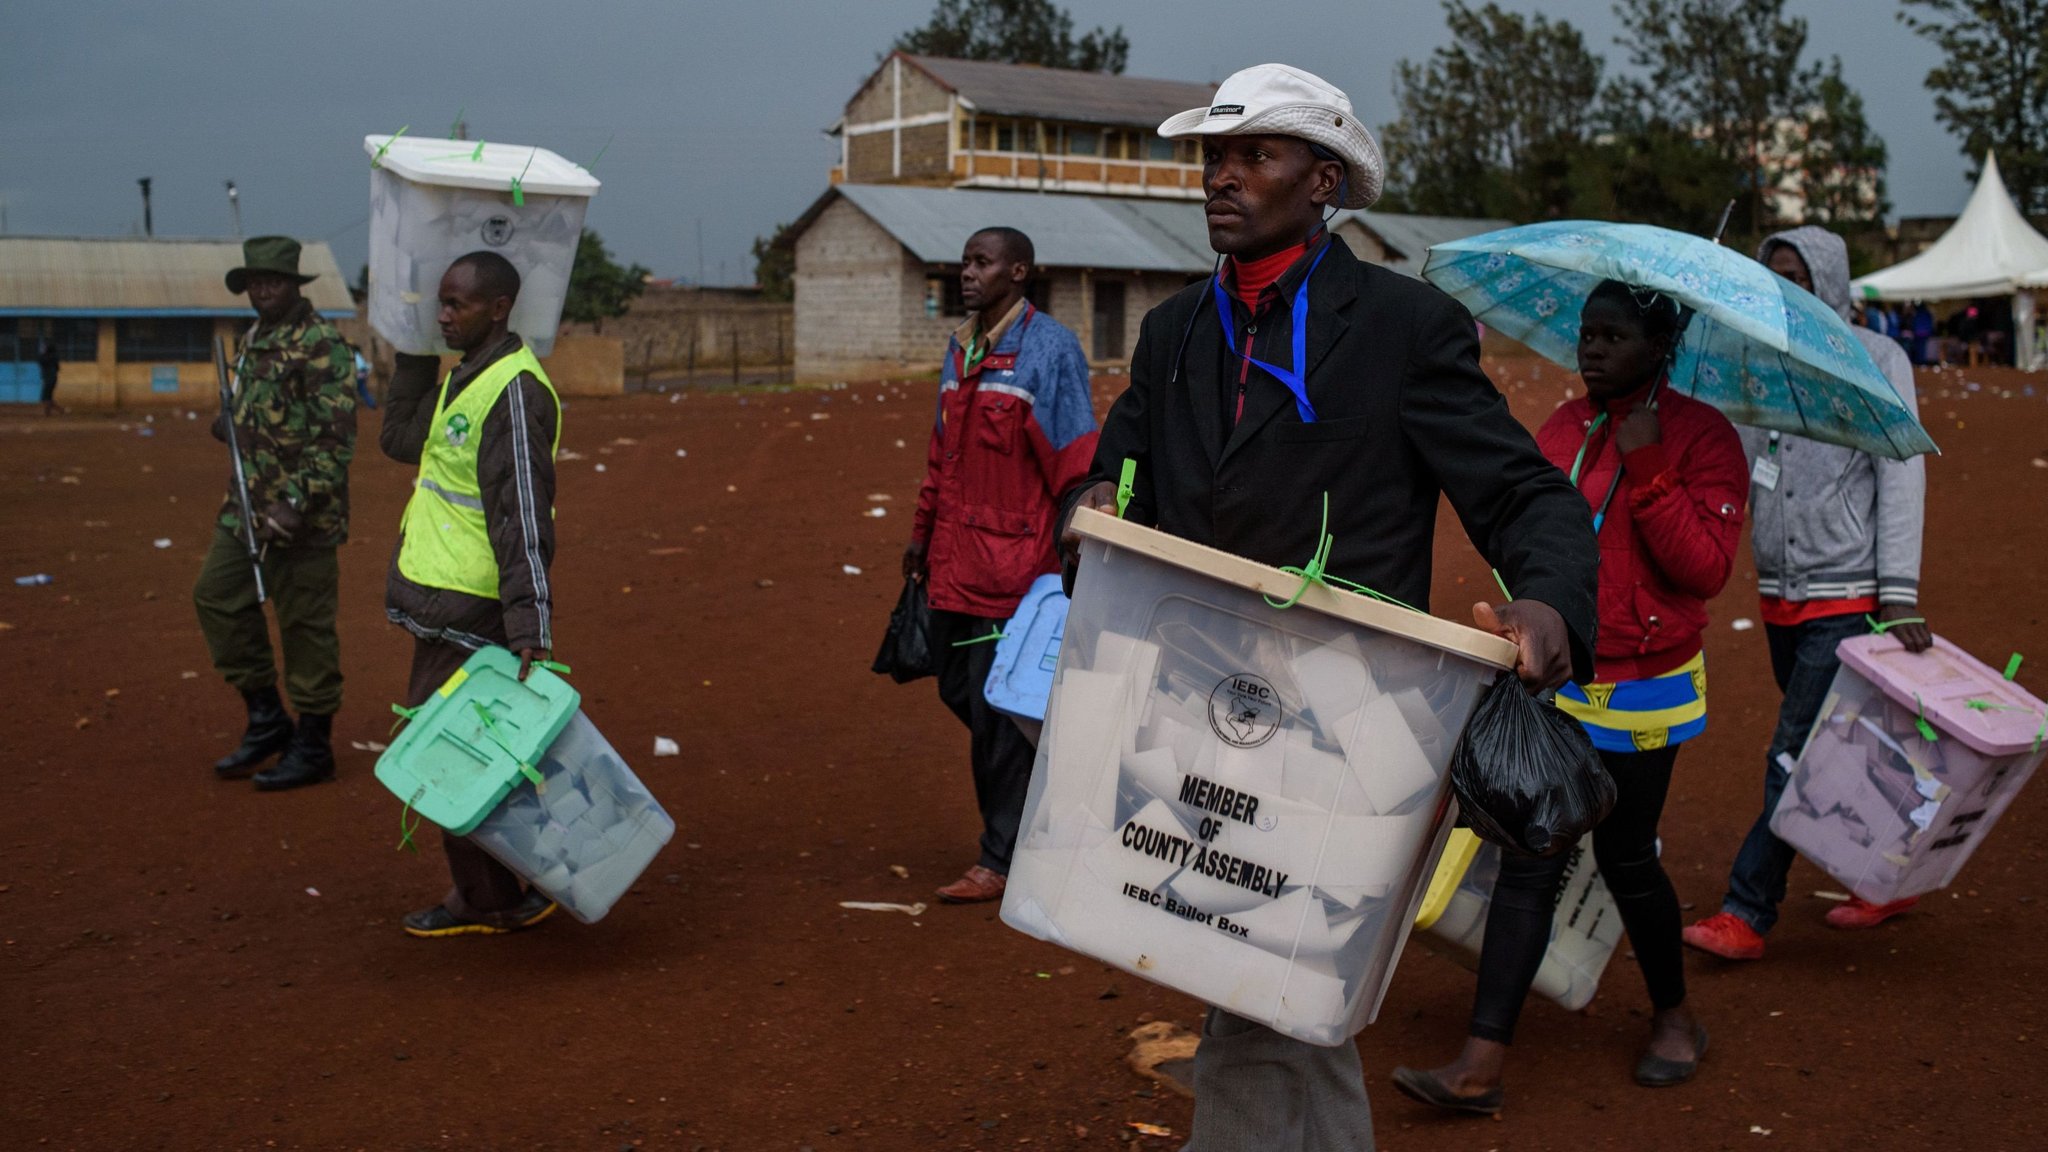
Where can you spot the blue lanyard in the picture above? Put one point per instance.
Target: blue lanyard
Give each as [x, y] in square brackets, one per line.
[1295, 381]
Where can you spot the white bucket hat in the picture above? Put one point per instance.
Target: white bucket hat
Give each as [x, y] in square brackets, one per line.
[1282, 101]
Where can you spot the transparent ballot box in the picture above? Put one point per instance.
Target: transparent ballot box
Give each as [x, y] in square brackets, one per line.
[1584, 931]
[1234, 800]
[585, 833]
[434, 200]
[1913, 758]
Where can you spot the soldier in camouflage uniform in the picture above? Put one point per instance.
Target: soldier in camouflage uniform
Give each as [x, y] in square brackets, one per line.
[295, 420]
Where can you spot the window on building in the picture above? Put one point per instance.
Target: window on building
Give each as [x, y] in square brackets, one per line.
[1161, 149]
[1084, 141]
[77, 337]
[163, 339]
[1190, 151]
[1027, 136]
[1006, 137]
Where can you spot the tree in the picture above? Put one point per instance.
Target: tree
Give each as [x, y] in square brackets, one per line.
[1016, 32]
[1841, 160]
[1491, 124]
[775, 265]
[1992, 88]
[1727, 70]
[598, 287]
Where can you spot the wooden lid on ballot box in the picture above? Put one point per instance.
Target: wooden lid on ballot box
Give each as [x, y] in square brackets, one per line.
[1351, 607]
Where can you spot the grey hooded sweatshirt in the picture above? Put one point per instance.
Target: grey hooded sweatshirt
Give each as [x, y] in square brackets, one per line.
[1839, 524]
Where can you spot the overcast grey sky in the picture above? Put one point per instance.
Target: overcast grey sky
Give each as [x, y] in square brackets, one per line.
[715, 110]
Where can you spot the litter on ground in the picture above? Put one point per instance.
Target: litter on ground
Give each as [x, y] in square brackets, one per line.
[876, 906]
[663, 746]
[1164, 1052]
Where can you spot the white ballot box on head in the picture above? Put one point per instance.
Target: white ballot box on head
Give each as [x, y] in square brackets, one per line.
[1235, 800]
[432, 201]
[1914, 756]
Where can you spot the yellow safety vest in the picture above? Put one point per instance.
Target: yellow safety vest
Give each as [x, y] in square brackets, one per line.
[446, 541]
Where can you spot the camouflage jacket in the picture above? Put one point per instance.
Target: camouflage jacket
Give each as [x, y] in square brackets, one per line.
[295, 419]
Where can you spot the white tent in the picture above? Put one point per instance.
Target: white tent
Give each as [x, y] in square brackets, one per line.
[1990, 250]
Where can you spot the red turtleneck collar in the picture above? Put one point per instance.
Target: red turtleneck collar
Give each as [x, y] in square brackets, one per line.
[1253, 276]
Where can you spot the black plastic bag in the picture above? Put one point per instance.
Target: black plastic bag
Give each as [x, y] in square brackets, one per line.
[1527, 776]
[906, 652]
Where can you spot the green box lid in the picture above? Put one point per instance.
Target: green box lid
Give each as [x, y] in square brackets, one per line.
[472, 740]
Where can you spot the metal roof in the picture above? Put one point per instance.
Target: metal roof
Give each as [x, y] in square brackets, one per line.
[1107, 232]
[1064, 94]
[1411, 237]
[106, 276]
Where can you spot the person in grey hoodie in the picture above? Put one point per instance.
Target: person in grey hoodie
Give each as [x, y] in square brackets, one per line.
[1836, 536]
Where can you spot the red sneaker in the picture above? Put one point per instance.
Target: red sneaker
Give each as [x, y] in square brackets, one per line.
[1725, 935]
[977, 886]
[1861, 913]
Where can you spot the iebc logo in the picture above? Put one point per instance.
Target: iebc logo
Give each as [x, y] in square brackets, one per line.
[1244, 710]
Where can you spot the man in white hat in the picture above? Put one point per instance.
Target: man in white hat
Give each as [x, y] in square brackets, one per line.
[1299, 372]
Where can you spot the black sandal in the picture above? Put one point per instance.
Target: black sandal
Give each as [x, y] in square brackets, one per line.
[1424, 1088]
[1654, 1071]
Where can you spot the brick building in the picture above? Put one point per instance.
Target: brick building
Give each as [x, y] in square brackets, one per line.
[878, 280]
[932, 150]
[979, 124]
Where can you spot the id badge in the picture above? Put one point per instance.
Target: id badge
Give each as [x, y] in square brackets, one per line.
[1765, 474]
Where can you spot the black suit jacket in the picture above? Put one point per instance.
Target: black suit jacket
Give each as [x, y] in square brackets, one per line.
[1403, 412]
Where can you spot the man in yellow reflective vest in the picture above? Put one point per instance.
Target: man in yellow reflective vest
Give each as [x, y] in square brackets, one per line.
[471, 566]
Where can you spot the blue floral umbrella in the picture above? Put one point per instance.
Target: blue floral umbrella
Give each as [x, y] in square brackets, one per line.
[1761, 349]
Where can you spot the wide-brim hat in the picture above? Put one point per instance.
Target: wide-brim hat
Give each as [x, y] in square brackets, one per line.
[1277, 100]
[279, 254]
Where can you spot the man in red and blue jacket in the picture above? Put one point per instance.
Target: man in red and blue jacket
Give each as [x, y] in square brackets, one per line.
[1015, 429]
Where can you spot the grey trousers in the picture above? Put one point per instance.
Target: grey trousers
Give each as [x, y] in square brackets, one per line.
[1259, 1091]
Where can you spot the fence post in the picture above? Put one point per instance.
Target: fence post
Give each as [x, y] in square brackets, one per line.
[735, 354]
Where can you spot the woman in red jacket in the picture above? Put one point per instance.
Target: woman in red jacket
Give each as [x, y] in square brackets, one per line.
[1664, 475]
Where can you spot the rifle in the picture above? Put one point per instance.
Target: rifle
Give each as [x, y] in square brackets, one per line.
[227, 409]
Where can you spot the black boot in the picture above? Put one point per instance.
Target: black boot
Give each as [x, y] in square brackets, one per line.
[309, 760]
[269, 731]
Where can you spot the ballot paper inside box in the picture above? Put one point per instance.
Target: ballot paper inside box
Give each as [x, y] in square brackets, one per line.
[1884, 809]
[432, 201]
[1238, 801]
[1584, 930]
[586, 832]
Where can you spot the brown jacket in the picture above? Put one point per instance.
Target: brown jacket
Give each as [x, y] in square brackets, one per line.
[516, 470]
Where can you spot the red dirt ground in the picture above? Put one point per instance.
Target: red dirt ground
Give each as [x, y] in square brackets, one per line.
[169, 979]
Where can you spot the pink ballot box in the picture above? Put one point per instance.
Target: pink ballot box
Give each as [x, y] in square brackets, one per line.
[1235, 800]
[1911, 761]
